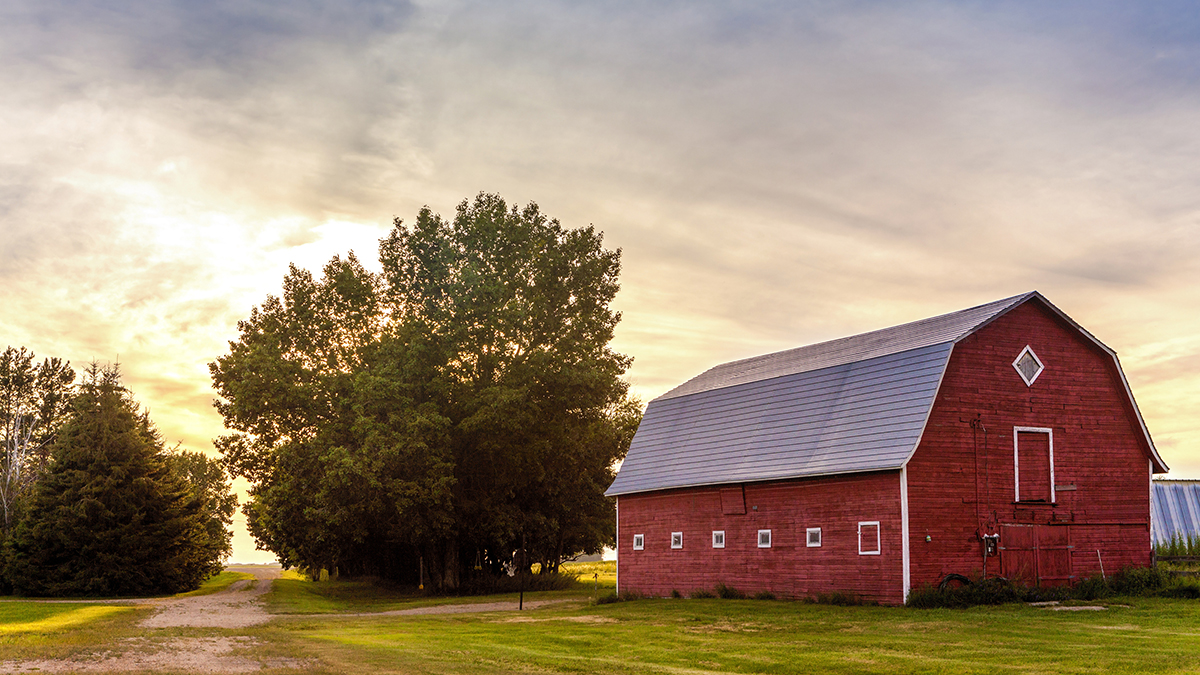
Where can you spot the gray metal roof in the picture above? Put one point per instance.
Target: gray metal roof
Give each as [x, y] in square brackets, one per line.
[1175, 509]
[937, 330]
[850, 405]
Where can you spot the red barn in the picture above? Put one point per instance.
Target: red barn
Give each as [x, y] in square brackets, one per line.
[1001, 439]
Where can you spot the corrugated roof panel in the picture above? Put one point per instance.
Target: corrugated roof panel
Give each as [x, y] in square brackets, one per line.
[1175, 509]
[923, 333]
[859, 416]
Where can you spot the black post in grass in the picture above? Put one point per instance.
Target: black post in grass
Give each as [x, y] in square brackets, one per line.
[524, 571]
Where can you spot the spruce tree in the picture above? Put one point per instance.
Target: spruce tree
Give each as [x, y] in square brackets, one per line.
[109, 517]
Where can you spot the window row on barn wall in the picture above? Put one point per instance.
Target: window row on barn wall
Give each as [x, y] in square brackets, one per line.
[868, 538]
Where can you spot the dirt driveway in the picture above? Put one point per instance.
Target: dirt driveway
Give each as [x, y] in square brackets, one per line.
[238, 606]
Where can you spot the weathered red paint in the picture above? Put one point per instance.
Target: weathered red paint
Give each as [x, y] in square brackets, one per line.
[961, 479]
[789, 568]
[960, 485]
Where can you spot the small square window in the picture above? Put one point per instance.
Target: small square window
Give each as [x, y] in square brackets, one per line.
[814, 537]
[676, 540]
[639, 542]
[868, 538]
[718, 538]
[764, 539]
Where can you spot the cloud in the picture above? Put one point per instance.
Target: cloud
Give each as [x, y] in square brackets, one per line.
[775, 173]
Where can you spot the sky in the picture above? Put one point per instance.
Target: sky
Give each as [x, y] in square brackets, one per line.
[775, 173]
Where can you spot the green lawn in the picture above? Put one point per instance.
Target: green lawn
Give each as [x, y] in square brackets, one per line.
[650, 636]
[673, 636]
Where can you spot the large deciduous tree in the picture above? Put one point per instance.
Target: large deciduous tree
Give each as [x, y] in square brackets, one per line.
[109, 516]
[33, 402]
[461, 402]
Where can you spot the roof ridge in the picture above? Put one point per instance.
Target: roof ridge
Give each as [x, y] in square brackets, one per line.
[949, 327]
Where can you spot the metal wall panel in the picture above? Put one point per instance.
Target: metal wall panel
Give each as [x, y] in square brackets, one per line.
[1175, 509]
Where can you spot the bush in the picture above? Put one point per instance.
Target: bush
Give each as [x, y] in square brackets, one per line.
[676, 594]
[608, 598]
[728, 593]
[1131, 581]
[701, 593]
[840, 599]
[990, 591]
[487, 584]
[1138, 581]
[764, 595]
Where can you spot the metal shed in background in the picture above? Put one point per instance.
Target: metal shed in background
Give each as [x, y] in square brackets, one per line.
[1175, 509]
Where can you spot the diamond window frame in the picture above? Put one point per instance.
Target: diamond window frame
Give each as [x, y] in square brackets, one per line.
[1041, 367]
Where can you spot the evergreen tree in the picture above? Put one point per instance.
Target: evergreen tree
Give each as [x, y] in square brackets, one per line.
[109, 517]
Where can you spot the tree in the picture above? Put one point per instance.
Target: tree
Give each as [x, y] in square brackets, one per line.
[109, 517]
[210, 484]
[33, 402]
[459, 403]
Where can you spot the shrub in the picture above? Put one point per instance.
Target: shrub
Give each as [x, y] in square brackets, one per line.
[990, 591]
[840, 599]
[728, 593]
[623, 596]
[1138, 581]
[701, 593]
[487, 584]
[676, 594]
[764, 595]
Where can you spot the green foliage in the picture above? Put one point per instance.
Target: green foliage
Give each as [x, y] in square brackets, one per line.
[727, 593]
[459, 406]
[1178, 545]
[210, 485]
[701, 594]
[109, 517]
[33, 401]
[1128, 582]
[625, 596]
[764, 595]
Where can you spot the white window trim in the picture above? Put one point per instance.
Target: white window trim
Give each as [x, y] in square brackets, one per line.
[760, 539]
[808, 537]
[1041, 366]
[639, 542]
[878, 547]
[715, 543]
[1017, 461]
[676, 540]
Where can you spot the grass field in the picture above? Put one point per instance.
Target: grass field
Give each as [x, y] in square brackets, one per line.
[670, 636]
[1132, 635]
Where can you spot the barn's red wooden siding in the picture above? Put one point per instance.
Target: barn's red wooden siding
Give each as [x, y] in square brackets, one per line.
[959, 488]
[789, 568]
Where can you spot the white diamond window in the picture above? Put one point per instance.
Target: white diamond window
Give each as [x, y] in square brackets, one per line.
[1028, 366]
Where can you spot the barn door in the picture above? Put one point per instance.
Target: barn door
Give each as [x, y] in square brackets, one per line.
[1036, 554]
[1054, 555]
[1018, 553]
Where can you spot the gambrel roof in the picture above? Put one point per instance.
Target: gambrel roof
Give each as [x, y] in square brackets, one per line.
[850, 405]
